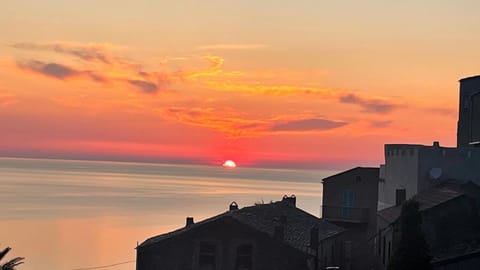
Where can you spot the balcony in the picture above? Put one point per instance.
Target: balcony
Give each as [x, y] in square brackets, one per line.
[345, 214]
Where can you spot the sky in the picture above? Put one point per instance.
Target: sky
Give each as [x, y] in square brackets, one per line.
[306, 83]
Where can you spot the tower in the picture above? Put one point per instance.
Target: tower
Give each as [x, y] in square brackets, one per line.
[468, 130]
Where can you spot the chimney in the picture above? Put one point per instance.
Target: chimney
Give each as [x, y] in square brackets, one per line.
[233, 206]
[189, 221]
[278, 233]
[400, 196]
[436, 144]
[292, 200]
[314, 237]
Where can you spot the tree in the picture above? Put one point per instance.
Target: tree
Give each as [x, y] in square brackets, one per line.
[410, 251]
[10, 265]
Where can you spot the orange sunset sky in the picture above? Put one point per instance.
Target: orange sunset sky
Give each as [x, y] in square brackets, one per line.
[305, 83]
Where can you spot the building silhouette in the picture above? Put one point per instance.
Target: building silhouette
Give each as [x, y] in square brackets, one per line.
[360, 211]
[350, 201]
[468, 131]
[444, 180]
[268, 236]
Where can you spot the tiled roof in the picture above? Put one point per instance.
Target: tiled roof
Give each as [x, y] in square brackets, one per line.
[264, 218]
[427, 199]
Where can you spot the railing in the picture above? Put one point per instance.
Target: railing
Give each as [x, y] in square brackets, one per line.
[345, 214]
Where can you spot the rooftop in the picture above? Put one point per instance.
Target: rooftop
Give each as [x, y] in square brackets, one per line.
[427, 199]
[373, 170]
[475, 77]
[264, 218]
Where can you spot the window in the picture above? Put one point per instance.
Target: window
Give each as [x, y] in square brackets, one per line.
[206, 258]
[379, 243]
[333, 253]
[244, 257]
[347, 203]
[389, 250]
[383, 250]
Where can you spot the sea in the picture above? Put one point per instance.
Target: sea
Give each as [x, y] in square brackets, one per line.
[79, 215]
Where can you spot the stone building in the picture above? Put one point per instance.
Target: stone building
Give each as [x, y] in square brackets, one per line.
[350, 201]
[262, 237]
[416, 167]
[419, 167]
[468, 130]
[450, 222]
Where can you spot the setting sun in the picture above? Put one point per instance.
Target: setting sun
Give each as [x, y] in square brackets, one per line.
[229, 164]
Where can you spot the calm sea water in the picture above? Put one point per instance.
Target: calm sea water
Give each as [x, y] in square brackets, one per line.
[64, 215]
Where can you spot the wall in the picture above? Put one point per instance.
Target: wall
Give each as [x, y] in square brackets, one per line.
[447, 227]
[382, 245]
[469, 105]
[470, 262]
[456, 163]
[457, 217]
[363, 182]
[408, 166]
[400, 171]
[181, 252]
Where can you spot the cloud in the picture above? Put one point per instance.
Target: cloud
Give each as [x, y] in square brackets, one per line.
[54, 70]
[216, 63]
[222, 120]
[87, 52]
[381, 124]
[369, 105]
[58, 71]
[63, 72]
[233, 47]
[307, 125]
[7, 100]
[443, 111]
[273, 90]
[146, 87]
[238, 125]
[103, 66]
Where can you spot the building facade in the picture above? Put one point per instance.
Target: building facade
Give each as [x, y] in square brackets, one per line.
[415, 168]
[261, 237]
[350, 201]
[450, 221]
[468, 130]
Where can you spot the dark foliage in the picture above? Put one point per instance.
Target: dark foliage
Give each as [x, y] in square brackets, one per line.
[410, 250]
[10, 265]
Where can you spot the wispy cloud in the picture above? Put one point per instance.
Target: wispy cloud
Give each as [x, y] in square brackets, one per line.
[87, 52]
[381, 124]
[237, 125]
[272, 90]
[103, 66]
[214, 69]
[100, 64]
[63, 72]
[233, 47]
[307, 125]
[371, 105]
[443, 111]
[7, 100]
[146, 87]
[58, 71]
